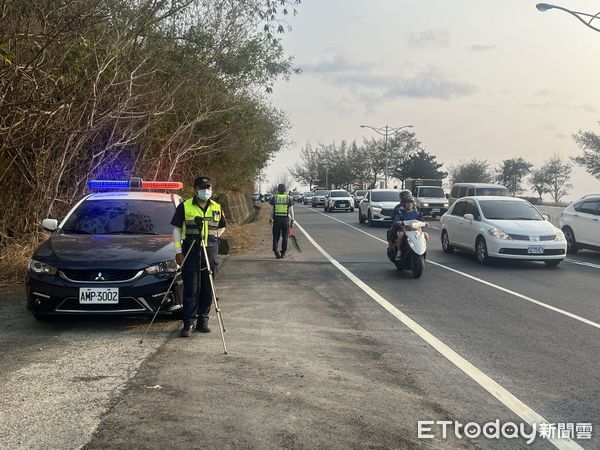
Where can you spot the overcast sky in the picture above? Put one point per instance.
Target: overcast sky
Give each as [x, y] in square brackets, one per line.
[476, 78]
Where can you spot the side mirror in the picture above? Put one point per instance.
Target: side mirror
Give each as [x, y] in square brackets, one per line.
[469, 217]
[50, 224]
[545, 216]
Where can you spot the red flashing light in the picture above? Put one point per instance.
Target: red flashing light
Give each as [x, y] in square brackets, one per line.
[162, 185]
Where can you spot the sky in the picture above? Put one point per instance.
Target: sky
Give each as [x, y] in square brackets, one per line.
[476, 78]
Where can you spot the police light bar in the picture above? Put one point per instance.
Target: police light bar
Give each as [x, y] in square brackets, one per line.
[134, 183]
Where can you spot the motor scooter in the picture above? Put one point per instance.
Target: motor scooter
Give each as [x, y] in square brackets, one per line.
[413, 249]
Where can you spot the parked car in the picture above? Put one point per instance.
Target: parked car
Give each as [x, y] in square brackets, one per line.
[501, 227]
[339, 200]
[460, 190]
[297, 196]
[257, 197]
[319, 198]
[580, 222]
[358, 196]
[307, 197]
[111, 255]
[378, 206]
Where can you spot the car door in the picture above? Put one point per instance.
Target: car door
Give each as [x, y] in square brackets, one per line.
[586, 223]
[455, 222]
[470, 229]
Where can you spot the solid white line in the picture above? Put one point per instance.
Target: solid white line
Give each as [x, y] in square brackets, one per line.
[504, 396]
[582, 263]
[487, 283]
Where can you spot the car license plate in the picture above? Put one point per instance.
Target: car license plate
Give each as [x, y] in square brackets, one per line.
[435, 210]
[535, 250]
[98, 295]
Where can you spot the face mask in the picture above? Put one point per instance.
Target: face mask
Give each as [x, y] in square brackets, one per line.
[204, 194]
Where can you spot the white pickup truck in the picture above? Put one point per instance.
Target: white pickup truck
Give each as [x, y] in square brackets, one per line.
[429, 196]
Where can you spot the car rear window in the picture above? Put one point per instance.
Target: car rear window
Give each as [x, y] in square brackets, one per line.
[493, 191]
[121, 216]
[385, 196]
[509, 210]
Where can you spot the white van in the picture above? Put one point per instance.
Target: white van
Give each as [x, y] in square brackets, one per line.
[460, 190]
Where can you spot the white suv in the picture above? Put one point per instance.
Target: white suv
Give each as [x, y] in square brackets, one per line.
[378, 206]
[580, 222]
[341, 200]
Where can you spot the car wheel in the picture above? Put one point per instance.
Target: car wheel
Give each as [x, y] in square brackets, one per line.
[481, 251]
[571, 241]
[351, 210]
[446, 247]
[361, 218]
[42, 317]
[370, 219]
[552, 262]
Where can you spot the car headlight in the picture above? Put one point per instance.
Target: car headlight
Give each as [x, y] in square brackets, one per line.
[498, 233]
[163, 267]
[445, 205]
[560, 236]
[40, 267]
[425, 205]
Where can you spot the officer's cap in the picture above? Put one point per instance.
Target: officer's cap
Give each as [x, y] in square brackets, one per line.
[203, 182]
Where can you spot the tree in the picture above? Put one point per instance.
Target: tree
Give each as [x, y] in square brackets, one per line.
[557, 174]
[474, 171]
[511, 173]
[420, 165]
[539, 182]
[307, 171]
[283, 178]
[590, 143]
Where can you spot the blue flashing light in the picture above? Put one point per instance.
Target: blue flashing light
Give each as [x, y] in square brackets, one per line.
[108, 184]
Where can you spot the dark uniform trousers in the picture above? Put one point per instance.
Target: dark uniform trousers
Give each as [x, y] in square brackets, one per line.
[197, 293]
[281, 227]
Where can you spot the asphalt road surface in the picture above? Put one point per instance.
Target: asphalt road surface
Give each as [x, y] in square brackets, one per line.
[330, 348]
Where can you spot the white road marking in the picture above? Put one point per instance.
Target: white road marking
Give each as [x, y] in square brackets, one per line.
[504, 396]
[582, 263]
[487, 283]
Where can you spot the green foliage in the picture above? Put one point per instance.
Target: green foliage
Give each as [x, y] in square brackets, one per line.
[511, 174]
[105, 88]
[556, 175]
[474, 171]
[421, 165]
[589, 142]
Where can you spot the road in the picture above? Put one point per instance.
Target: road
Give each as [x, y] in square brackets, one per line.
[531, 329]
[330, 348]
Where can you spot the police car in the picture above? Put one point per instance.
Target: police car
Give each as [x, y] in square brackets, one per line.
[111, 255]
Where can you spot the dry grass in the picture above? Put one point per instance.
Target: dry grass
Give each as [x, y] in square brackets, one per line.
[13, 264]
[243, 238]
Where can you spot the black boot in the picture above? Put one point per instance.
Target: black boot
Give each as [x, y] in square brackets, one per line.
[203, 327]
[188, 328]
[277, 255]
[282, 255]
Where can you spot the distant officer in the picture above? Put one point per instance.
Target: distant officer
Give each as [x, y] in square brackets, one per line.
[282, 212]
[200, 220]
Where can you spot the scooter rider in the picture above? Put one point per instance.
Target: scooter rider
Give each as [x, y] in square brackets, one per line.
[403, 212]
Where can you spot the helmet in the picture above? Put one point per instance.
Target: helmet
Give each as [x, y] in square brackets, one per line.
[408, 198]
[281, 188]
[403, 193]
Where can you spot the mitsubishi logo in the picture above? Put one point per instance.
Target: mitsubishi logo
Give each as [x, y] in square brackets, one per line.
[99, 277]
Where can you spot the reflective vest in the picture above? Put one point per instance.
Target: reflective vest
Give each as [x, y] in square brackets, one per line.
[282, 205]
[210, 221]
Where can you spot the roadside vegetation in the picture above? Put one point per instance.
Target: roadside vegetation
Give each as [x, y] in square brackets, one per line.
[108, 89]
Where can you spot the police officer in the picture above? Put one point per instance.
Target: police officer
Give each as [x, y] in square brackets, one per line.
[282, 211]
[200, 220]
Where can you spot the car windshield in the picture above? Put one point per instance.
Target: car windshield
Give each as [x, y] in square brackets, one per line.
[431, 192]
[121, 217]
[385, 196]
[339, 194]
[320, 192]
[308, 194]
[360, 193]
[493, 191]
[509, 210]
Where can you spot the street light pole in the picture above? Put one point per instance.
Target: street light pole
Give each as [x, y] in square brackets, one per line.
[581, 16]
[385, 131]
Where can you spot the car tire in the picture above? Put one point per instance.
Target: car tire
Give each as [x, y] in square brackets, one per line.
[351, 210]
[552, 262]
[481, 252]
[571, 241]
[370, 219]
[446, 247]
[361, 218]
[42, 317]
